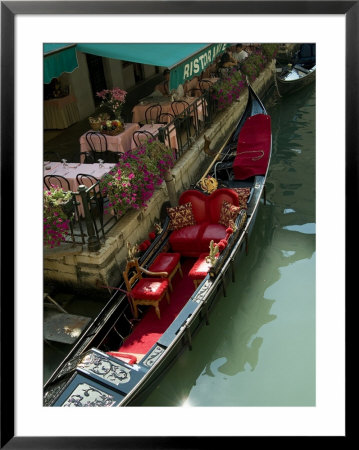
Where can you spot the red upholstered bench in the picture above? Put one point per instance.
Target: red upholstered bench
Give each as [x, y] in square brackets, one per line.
[199, 270]
[253, 148]
[167, 262]
[193, 240]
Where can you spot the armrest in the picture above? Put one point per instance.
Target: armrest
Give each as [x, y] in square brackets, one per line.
[154, 274]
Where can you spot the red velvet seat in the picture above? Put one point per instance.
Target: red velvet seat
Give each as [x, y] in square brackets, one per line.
[253, 147]
[193, 240]
[149, 288]
[199, 270]
[145, 291]
[187, 240]
[213, 232]
[167, 262]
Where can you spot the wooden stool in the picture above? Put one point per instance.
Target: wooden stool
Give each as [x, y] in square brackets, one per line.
[167, 262]
[199, 270]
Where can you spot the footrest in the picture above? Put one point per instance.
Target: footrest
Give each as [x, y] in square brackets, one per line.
[167, 262]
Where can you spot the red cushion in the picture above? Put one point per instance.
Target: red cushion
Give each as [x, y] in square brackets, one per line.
[228, 212]
[186, 239]
[243, 194]
[181, 216]
[149, 288]
[198, 200]
[216, 200]
[200, 268]
[213, 231]
[253, 147]
[206, 208]
[165, 262]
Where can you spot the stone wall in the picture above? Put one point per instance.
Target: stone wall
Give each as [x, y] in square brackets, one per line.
[78, 267]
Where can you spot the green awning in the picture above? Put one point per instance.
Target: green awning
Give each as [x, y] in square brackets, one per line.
[58, 58]
[184, 60]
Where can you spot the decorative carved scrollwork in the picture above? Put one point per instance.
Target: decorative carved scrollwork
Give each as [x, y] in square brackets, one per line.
[105, 369]
[86, 395]
[153, 357]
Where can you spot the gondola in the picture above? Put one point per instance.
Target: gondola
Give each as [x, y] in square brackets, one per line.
[131, 343]
[298, 73]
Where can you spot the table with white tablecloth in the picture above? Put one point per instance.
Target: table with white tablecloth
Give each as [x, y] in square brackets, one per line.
[71, 170]
[119, 143]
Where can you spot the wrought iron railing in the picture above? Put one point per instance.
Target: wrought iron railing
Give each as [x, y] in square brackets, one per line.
[90, 218]
[189, 124]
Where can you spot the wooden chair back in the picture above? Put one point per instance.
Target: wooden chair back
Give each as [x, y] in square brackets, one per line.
[131, 274]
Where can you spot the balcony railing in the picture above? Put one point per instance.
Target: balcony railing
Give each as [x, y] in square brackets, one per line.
[91, 219]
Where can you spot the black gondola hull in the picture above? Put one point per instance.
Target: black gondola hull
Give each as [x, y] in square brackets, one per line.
[91, 377]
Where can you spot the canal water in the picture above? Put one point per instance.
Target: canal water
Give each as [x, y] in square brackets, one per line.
[259, 349]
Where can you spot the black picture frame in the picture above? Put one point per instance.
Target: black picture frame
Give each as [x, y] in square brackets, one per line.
[9, 9]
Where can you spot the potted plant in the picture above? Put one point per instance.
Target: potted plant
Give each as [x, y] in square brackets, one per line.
[58, 209]
[112, 100]
[226, 91]
[132, 182]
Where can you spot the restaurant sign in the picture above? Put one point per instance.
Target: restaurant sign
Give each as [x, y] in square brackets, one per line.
[195, 64]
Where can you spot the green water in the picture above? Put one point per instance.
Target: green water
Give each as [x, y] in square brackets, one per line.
[259, 349]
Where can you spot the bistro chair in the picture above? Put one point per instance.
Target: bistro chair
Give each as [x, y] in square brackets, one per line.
[86, 179]
[95, 199]
[166, 118]
[183, 119]
[145, 291]
[57, 180]
[99, 148]
[141, 136]
[179, 106]
[152, 113]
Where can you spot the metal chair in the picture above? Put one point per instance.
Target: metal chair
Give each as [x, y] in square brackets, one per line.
[99, 149]
[141, 136]
[165, 118]
[98, 146]
[96, 200]
[152, 113]
[179, 106]
[86, 179]
[57, 180]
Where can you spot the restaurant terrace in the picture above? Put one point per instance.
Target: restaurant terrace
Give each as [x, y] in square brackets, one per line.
[88, 142]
